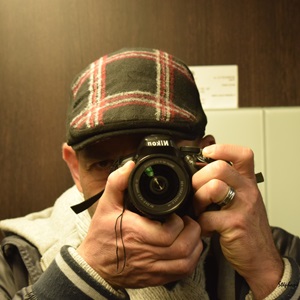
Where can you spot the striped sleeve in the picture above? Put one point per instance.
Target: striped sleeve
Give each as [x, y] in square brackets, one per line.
[288, 287]
[70, 277]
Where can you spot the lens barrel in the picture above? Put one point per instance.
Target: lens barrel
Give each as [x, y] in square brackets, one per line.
[159, 185]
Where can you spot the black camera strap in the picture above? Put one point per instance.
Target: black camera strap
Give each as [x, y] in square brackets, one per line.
[78, 208]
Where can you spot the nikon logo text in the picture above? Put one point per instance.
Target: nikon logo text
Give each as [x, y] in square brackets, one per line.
[158, 143]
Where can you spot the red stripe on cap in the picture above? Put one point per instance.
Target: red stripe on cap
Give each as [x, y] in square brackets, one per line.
[137, 99]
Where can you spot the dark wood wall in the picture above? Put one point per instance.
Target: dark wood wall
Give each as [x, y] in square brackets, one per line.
[44, 43]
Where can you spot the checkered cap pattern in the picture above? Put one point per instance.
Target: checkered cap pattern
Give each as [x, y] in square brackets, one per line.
[134, 90]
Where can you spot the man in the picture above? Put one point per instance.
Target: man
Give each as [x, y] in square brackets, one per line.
[115, 251]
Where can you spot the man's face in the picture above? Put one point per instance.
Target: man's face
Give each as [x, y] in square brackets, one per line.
[96, 161]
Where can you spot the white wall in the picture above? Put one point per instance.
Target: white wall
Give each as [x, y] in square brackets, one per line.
[274, 136]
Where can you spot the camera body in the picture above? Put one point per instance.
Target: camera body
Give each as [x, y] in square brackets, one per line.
[160, 184]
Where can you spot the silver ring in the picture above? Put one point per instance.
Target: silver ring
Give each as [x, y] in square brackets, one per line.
[228, 198]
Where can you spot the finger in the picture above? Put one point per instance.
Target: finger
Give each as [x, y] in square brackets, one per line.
[187, 240]
[212, 192]
[219, 170]
[116, 184]
[211, 221]
[161, 234]
[187, 243]
[241, 157]
[180, 267]
[181, 258]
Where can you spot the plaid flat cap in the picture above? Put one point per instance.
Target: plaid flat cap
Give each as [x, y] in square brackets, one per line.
[134, 91]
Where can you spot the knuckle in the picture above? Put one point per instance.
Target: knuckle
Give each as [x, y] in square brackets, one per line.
[218, 167]
[186, 267]
[178, 249]
[214, 184]
[239, 221]
[216, 188]
[188, 248]
[183, 250]
[166, 239]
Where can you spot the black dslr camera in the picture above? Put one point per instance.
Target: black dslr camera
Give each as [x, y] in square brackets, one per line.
[160, 183]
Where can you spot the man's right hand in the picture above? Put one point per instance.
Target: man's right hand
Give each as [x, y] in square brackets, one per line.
[156, 253]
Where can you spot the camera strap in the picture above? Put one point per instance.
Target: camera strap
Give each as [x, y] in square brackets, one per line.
[78, 208]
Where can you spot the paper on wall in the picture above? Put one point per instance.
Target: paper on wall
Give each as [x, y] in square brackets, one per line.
[218, 85]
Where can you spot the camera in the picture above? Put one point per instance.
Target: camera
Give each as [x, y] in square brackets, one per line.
[160, 184]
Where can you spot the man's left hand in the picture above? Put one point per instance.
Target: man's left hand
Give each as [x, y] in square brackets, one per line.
[245, 235]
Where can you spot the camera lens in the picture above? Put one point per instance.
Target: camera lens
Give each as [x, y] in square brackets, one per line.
[158, 185]
[161, 186]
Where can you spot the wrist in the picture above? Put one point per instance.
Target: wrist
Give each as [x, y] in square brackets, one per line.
[117, 292]
[288, 287]
[266, 280]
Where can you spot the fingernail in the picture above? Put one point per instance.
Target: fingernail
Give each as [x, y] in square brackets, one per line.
[126, 166]
[208, 150]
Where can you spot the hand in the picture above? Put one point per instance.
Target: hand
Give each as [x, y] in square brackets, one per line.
[245, 235]
[156, 253]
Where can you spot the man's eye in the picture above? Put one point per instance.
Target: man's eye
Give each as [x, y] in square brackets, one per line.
[104, 165]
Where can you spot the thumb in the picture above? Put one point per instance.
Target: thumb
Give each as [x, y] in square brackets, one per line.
[116, 184]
